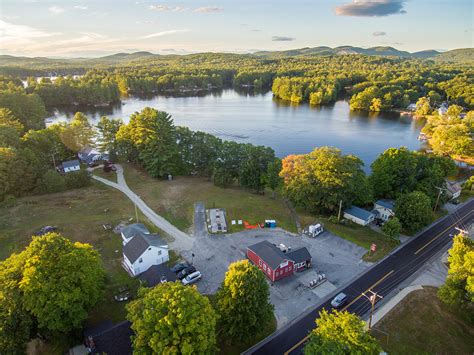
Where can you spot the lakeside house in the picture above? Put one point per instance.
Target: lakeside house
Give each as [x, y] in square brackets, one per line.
[89, 155]
[142, 249]
[70, 166]
[359, 215]
[384, 209]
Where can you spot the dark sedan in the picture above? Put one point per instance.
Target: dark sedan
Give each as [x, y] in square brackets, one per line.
[178, 267]
[185, 272]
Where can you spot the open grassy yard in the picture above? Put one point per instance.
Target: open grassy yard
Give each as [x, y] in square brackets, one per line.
[175, 200]
[422, 324]
[362, 236]
[79, 215]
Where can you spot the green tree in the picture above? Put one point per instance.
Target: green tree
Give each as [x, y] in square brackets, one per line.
[254, 166]
[9, 137]
[458, 290]
[108, 129]
[172, 319]
[61, 281]
[78, 134]
[28, 108]
[453, 140]
[243, 301]
[392, 228]
[16, 323]
[272, 177]
[413, 210]
[51, 182]
[319, 180]
[8, 119]
[423, 106]
[340, 333]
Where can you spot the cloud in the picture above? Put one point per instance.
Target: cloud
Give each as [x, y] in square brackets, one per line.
[19, 35]
[164, 33]
[256, 30]
[166, 8]
[379, 33]
[56, 10]
[208, 9]
[81, 7]
[282, 39]
[371, 8]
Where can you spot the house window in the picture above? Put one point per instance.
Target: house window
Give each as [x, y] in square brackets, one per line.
[260, 262]
[286, 269]
[269, 271]
[290, 268]
[277, 273]
[140, 260]
[264, 267]
[159, 252]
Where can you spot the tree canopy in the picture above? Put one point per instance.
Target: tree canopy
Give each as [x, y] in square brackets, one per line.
[413, 210]
[172, 319]
[243, 301]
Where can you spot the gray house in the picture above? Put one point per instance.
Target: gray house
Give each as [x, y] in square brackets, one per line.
[71, 165]
[359, 215]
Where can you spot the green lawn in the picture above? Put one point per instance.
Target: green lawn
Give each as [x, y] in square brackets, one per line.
[422, 324]
[175, 200]
[362, 236]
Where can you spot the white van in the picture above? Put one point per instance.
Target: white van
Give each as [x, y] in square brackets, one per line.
[192, 278]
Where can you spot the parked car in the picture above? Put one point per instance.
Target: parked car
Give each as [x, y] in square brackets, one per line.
[185, 272]
[192, 278]
[122, 297]
[92, 164]
[179, 266]
[45, 229]
[339, 300]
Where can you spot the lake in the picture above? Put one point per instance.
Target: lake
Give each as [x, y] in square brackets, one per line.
[262, 120]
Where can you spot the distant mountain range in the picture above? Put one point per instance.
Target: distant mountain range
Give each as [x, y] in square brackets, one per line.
[464, 55]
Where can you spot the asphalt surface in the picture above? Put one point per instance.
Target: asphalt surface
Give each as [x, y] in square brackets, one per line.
[382, 279]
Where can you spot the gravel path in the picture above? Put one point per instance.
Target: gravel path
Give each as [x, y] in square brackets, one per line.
[182, 241]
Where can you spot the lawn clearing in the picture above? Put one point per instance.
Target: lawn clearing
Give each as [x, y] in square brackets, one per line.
[362, 236]
[174, 200]
[422, 324]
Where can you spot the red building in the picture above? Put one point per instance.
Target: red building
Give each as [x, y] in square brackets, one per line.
[271, 260]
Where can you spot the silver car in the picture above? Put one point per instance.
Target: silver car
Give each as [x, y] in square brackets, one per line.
[192, 278]
[339, 300]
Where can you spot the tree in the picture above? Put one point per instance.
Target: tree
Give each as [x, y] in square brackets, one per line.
[78, 134]
[319, 180]
[172, 319]
[242, 301]
[452, 140]
[340, 333]
[8, 119]
[153, 134]
[272, 177]
[413, 210]
[50, 182]
[458, 290]
[107, 129]
[61, 281]
[15, 173]
[423, 106]
[392, 228]
[254, 166]
[28, 108]
[16, 323]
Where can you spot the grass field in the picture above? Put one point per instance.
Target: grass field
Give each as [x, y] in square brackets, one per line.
[422, 324]
[175, 200]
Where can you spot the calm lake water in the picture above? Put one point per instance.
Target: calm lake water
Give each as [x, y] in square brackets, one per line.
[288, 129]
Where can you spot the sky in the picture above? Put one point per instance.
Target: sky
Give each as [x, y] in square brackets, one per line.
[81, 28]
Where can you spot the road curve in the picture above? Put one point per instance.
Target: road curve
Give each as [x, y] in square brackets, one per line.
[182, 240]
[383, 278]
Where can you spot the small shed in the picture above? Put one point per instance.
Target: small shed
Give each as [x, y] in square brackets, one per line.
[301, 257]
[218, 220]
[155, 274]
[359, 215]
[71, 165]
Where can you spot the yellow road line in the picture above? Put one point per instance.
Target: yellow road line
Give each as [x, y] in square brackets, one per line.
[439, 235]
[343, 309]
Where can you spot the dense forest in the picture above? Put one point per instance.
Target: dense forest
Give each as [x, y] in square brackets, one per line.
[373, 83]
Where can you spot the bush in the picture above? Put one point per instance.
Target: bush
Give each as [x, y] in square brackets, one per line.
[77, 179]
[51, 182]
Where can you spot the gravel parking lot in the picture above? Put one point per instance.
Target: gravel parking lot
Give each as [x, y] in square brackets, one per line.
[338, 258]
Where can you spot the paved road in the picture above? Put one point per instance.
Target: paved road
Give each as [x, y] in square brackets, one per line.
[182, 240]
[200, 225]
[382, 278]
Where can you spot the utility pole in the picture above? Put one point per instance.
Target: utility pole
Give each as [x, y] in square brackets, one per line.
[372, 298]
[339, 214]
[462, 231]
[54, 161]
[437, 199]
[136, 212]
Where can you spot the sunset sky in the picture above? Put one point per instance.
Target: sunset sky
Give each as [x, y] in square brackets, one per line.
[94, 28]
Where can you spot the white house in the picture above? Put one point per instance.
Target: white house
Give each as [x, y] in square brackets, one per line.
[71, 165]
[384, 209]
[90, 155]
[359, 215]
[453, 189]
[142, 249]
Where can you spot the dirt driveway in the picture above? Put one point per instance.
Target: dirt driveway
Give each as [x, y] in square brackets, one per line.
[338, 258]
